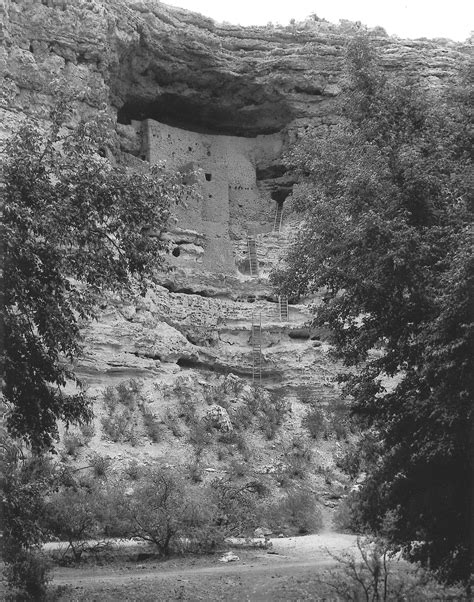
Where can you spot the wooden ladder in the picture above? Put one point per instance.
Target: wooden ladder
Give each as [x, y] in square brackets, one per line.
[278, 218]
[253, 260]
[283, 308]
[257, 348]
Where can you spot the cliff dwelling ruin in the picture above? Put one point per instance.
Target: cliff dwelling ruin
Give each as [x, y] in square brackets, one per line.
[241, 186]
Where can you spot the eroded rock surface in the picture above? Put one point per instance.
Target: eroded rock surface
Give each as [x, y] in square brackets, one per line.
[221, 101]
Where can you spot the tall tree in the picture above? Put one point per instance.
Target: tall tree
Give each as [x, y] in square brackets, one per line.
[386, 233]
[75, 225]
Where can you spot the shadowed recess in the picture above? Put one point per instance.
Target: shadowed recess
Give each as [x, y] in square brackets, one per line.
[221, 116]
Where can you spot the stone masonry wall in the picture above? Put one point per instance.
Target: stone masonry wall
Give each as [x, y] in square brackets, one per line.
[230, 200]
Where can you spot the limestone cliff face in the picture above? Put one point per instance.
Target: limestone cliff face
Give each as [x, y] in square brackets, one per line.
[217, 98]
[148, 60]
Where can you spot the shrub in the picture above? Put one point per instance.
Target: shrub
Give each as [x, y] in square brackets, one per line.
[110, 399]
[28, 576]
[201, 534]
[110, 512]
[349, 461]
[187, 410]
[242, 417]
[72, 516]
[100, 464]
[296, 512]
[87, 431]
[339, 422]
[195, 471]
[372, 573]
[122, 403]
[25, 483]
[133, 470]
[269, 410]
[237, 439]
[237, 505]
[119, 427]
[296, 459]
[172, 422]
[347, 517]
[314, 422]
[129, 393]
[165, 513]
[152, 426]
[272, 416]
[200, 437]
[72, 444]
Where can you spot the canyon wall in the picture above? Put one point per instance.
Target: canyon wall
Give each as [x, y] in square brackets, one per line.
[223, 102]
[219, 99]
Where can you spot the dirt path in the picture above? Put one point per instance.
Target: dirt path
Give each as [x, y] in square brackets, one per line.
[288, 571]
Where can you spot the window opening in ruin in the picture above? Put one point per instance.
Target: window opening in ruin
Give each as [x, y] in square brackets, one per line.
[208, 177]
[176, 252]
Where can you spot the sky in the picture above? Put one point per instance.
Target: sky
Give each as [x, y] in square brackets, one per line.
[452, 19]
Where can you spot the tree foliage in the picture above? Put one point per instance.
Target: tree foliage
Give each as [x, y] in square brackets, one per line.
[76, 225]
[387, 235]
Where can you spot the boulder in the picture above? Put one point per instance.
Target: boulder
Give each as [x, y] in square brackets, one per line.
[218, 417]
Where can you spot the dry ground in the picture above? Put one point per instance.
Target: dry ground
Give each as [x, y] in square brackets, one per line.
[287, 571]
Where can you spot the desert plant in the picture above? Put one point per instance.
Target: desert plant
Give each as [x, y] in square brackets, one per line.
[129, 393]
[201, 533]
[315, 422]
[72, 444]
[349, 461]
[28, 577]
[119, 426]
[100, 464]
[164, 512]
[272, 416]
[339, 423]
[187, 410]
[374, 573]
[297, 512]
[71, 515]
[87, 431]
[133, 470]
[348, 516]
[195, 471]
[110, 399]
[153, 509]
[25, 482]
[172, 422]
[238, 440]
[200, 437]
[296, 459]
[122, 403]
[152, 426]
[237, 505]
[269, 410]
[242, 417]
